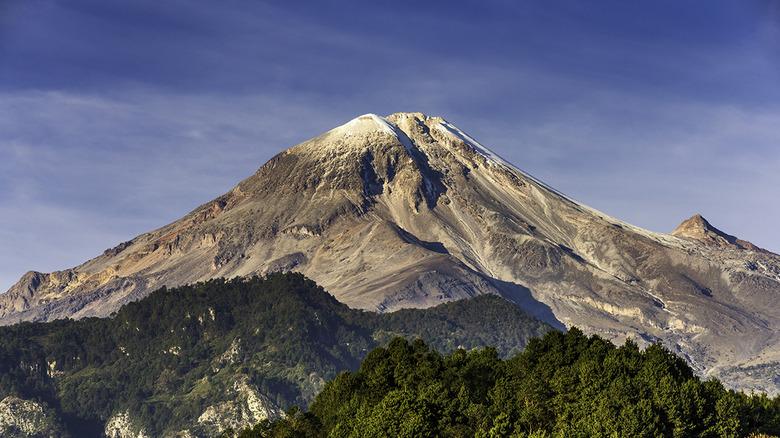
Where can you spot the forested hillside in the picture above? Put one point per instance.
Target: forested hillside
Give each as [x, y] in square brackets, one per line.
[563, 385]
[220, 354]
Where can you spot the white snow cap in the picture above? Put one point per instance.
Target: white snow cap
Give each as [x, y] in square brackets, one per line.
[369, 122]
[386, 127]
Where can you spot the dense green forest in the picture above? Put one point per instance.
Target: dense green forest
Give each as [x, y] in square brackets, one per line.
[563, 385]
[169, 357]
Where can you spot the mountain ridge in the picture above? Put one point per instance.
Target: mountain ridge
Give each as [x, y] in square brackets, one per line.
[197, 359]
[409, 211]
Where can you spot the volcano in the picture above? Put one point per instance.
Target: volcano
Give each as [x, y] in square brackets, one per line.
[410, 211]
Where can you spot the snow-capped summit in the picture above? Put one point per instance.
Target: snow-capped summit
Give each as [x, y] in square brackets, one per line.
[367, 123]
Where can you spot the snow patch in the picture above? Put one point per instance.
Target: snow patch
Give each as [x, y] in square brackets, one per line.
[384, 125]
[448, 129]
[367, 123]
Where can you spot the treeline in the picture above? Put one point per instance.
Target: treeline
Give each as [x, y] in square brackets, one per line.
[168, 357]
[563, 385]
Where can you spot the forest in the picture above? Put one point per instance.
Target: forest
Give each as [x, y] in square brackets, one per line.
[472, 368]
[169, 357]
[563, 385]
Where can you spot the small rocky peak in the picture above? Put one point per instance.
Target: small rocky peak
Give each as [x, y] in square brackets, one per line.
[694, 226]
[699, 229]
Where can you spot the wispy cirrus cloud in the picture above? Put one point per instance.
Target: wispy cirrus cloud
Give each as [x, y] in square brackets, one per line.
[84, 172]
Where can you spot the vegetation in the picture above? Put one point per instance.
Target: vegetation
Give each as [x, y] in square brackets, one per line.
[563, 385]
[167, 358]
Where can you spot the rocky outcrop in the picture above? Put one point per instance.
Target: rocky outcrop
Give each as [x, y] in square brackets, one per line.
[26, 418]
[409, 211]
[120, 425]
[697, 228]
[247, 408]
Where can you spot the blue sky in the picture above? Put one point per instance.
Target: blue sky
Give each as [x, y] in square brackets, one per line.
[119, 117]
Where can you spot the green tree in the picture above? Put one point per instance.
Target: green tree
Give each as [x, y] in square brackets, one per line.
[399, 415]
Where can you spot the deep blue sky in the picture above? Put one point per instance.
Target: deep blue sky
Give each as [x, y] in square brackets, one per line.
[117, 117]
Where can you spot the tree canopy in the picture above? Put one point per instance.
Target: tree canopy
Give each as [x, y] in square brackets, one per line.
[562, 385]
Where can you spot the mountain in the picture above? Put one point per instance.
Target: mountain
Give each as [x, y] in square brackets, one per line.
[409, 211]
[195, 360]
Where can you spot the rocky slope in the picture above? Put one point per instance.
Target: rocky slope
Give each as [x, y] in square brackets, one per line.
[409, 211]
[26, 418]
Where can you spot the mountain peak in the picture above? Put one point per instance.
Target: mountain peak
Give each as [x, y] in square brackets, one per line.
[696, 223]
[368, 122]
[403, 125]
[699, 229]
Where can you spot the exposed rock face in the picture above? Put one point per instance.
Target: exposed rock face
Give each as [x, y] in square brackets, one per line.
[121, 426]
[26, 418]
[248, 408]
[409, 211]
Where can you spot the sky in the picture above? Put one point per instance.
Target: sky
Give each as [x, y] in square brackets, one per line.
[118, 117]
